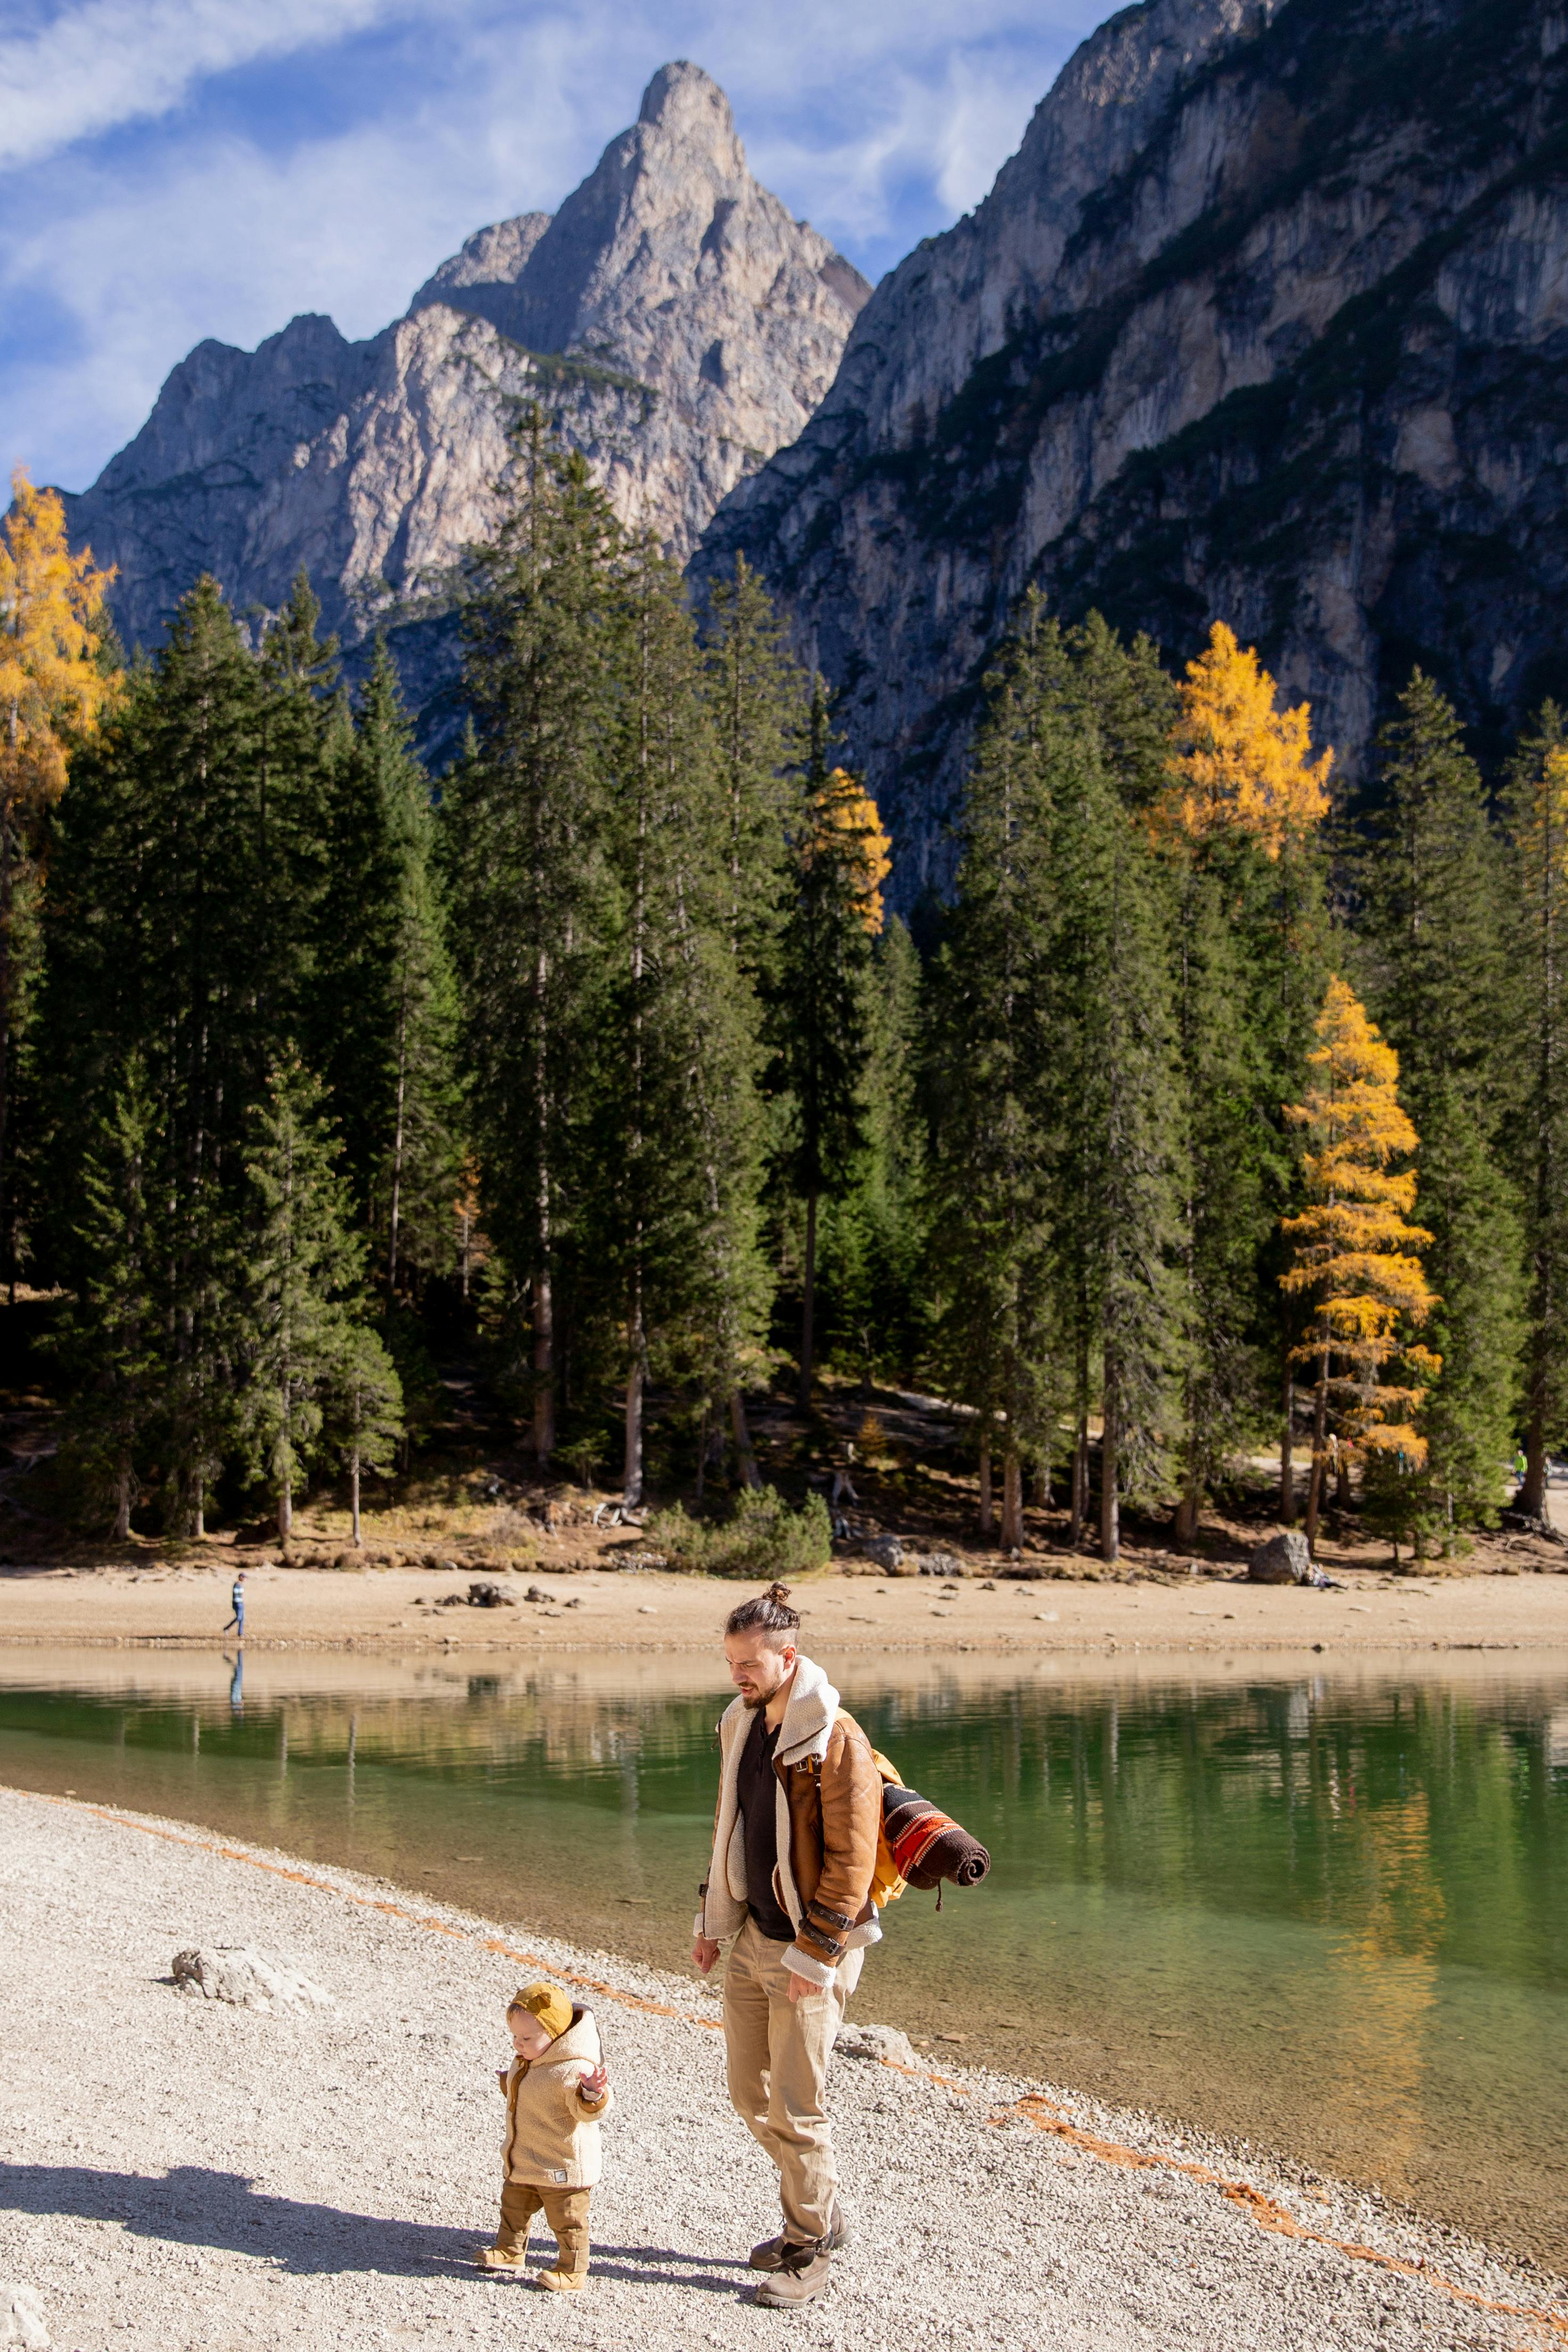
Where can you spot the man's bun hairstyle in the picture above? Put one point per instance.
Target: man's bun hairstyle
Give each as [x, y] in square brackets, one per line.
[768, 1614]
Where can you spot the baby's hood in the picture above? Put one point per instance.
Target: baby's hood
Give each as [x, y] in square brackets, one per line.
[578, 2046]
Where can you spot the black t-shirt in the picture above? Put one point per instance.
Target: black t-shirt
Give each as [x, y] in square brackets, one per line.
[757, 1788]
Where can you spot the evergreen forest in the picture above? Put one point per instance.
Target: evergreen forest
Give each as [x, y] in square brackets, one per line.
[1208, 1112]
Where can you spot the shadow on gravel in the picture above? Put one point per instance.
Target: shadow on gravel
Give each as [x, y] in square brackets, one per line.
[193, 2207]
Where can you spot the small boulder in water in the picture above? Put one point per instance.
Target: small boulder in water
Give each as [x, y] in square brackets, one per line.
[246, 1979]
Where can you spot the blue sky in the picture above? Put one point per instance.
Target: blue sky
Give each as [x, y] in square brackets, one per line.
[175, 169]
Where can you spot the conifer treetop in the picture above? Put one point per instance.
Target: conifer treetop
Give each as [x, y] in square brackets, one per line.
[1243, 766]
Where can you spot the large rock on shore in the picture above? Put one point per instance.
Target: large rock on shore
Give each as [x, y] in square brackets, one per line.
[247, 1979]
[22, 2319]
[1284, 1560]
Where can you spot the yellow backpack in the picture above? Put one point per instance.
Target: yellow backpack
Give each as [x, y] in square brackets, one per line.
[886, 1886]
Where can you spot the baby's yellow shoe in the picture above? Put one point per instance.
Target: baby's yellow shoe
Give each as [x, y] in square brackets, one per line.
[563, 2281]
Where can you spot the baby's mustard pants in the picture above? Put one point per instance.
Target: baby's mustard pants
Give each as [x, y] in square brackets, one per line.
[566, 2211]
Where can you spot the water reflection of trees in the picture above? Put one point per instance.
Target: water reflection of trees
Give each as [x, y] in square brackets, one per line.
[1408, 1819]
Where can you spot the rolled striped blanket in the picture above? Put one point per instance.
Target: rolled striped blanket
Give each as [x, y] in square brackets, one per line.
[928, 1845]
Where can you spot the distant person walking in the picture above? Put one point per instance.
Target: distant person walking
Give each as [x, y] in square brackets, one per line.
[794, 1850]
[237, 1599]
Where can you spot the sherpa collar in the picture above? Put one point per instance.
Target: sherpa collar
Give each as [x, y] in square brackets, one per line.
[807, 1716]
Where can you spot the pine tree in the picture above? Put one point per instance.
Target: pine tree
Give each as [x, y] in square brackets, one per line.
[385, 1032]
[112, 1335]
[680, 1138]
[871, 1242]
[1116, 1086]
[1537, 1046]
[55, 685]
[991, 1199]
[755, 694]
[304, 1266]
[1352, 1251]
[299, 725]
[1438, 959]
[819, 1026]
[526, 812]
[363, 1406]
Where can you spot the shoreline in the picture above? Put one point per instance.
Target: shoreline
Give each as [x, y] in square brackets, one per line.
[400, 1612]
[1042, 2215]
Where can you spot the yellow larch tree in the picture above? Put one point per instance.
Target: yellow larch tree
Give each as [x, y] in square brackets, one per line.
[845, 823]
[1352, 1249]
[1242, 765]
[54, 686]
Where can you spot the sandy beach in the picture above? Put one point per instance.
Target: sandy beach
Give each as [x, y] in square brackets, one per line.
[390, 1609]
[183, 2175]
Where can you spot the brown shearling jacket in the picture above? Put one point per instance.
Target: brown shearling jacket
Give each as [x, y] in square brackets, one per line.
[828, 1817]
[835, 1810]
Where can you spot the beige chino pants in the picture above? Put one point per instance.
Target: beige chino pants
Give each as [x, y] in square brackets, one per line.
[777, 2053]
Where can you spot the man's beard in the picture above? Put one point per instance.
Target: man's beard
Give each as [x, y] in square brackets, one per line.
[752, 1705]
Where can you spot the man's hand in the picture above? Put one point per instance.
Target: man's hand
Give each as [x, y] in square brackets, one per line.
[704, 1952]
[800, 1985]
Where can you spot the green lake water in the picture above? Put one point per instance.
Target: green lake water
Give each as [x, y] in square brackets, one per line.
[1327, 1913]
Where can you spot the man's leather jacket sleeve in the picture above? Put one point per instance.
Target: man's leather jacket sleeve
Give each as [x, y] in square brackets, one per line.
[834, 1866]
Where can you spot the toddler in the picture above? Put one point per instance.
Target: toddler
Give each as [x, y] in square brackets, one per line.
[557, 2092]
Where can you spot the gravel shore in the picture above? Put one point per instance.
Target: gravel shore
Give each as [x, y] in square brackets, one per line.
[179, 2176]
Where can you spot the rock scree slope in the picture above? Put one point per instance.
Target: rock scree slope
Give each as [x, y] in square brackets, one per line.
[1264, 321]
[671, 319]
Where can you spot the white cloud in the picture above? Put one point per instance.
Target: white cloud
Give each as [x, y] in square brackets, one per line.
[117, 61]
[876, 120]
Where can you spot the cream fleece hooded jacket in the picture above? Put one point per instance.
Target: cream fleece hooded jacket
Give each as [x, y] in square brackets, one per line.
[552, 2131]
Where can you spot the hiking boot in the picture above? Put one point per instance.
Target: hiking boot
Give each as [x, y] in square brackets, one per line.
[771, 2254]
[500, 2258]
[562, 2282]
[801, 2277]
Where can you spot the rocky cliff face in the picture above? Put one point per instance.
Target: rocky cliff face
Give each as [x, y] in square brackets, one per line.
[1266, 320]
[671, 319]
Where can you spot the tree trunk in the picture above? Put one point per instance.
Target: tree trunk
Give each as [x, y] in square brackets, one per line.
[1287, 1463]
[808, 1304]
[122, 1502]
[632, 1485]
[702, 1451]
[1110, 1507]
[987, 1520]
[198, 1510]
[1188, 1512]
[1320, 1446]
[354, 1497]
[1012, 1503]
[1080, 1508]
[742, 1436]
[1343, 1496]
[285, 1512]
[1532, 1493]
[395, 1209]
[544, 1365]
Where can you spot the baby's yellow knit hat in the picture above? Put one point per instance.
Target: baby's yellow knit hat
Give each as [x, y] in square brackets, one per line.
[547, 2003]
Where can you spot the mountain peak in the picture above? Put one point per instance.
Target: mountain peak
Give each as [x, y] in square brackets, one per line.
[687, 103]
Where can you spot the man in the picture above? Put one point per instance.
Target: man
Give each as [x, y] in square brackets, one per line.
[236, 1598]
[794, 1837]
